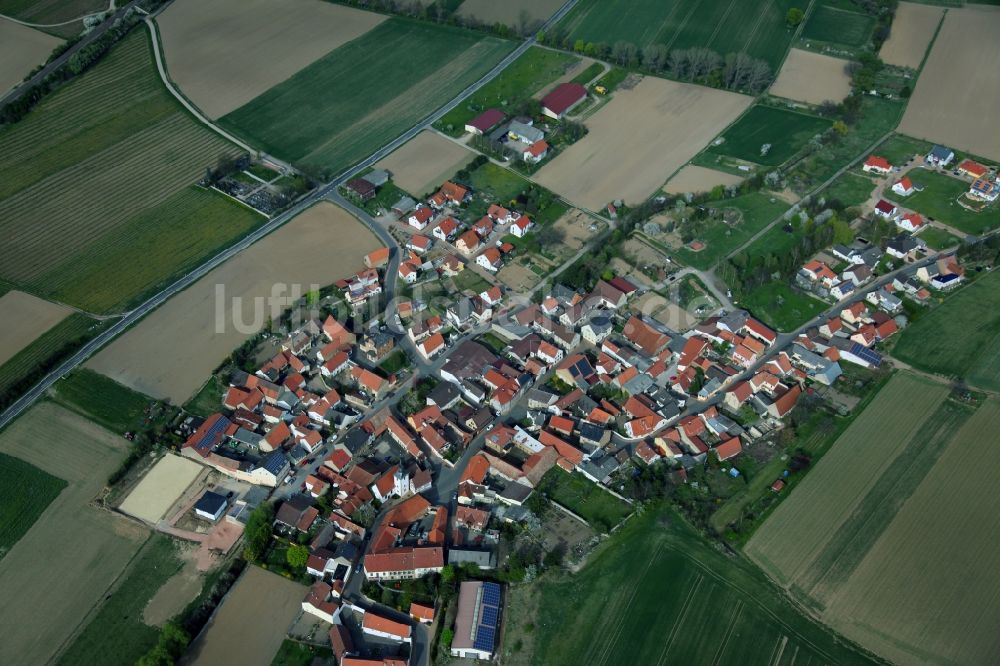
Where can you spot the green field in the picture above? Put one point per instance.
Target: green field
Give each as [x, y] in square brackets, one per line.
[293, 653]
[939, 239]
[102, 400]
[117, 635]
[786, 131]
[840, 23]
[208, 399]
[495, 184]
[28, 491]
[97, 203]
[899, 149]
[584, 498]
[959, 338]
[52, 11]
[725, 26]
[938, 200]
[850, 189]
[781, 307]
[720, 238]
[657, 593]
[514, 86]
[365, 93]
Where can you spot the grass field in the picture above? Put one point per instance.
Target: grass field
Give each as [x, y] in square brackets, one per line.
[786, 131]
[293, 653]
[725, 26]
[781, 307]
[720, 239]
[102, 400]
[97, 204]
[29, 491]
[406, 70]
[516, 84]
[840, 23]
[705, 607]
[938, 200]
[960, 337]
[116, 636]
[850, 189]
[584, 498]
[939, 239]
[50, 11]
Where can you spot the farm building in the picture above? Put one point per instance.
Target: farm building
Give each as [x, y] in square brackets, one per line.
[478, 620]
[485, 121]
[518, 131]
[361, 188]
[563, 99]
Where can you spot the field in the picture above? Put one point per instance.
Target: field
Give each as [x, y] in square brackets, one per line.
[425, 161]
[939, 239]
[938, 200]
[256, 594]
[812, 77]
[658, 572]
[21, 48]
[29, 492]
[838, 24]
[960, 337]
[698, 179]
[515, 85]
[116, 636]
[97, 203]
[786, 131]
[85, 545]
[637, 140]
[50, 11]
[172, 351]
[101, 400]
[224, 53]
[912, 29]
[725, 26]
[758, 210]
[958, 90]
[510, 12]
[781, 307]
[160, 488]
[26, 318]
[316, 120]
[584, 498]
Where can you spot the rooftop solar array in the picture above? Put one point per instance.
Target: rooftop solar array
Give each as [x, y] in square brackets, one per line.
[491, 594]
[869, 355]
[490, 615]
[211, 435]
[484, 638]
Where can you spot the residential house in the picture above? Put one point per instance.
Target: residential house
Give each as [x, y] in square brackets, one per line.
[467, 243]
[490, 259]
[446, 229]
[523, 132]
[521, 226]
[377, 258]
[885, 209]
[940, 156]
[972, 169]
[903, 187]
[911, 222]
[877, 165]
[536, 152]
[597, 329]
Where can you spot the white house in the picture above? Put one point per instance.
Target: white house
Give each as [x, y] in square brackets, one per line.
[521, 226]
[885, 209]
[877, 165]
[940, 156]
[911, 222]
[446, 230]
[490, 259]
[320, 603]
[903, 187]
[420, 218]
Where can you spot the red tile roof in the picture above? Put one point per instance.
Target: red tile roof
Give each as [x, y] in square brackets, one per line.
[878, 162]
[563, 97]
[487, 120]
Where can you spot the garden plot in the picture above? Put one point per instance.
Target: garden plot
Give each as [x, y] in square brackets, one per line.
[813, 78]
[21, 49]
[425, 161]
[913, 27]
[693, 179]
[160, 488]
[638, 139]
[223, 53]
[25, 319]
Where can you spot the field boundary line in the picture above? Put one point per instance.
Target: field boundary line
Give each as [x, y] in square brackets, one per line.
[756, 26]
[778, 650]
[679, 622]
[623, 617]
[683, 24]
[729, 631]
[718, 26]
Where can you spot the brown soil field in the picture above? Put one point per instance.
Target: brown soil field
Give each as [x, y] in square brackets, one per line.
[958, 92]
[174, 596]
[812, 77]
[638, 139]
[699, 179]
[912, 30]
[575, 226]
[69, 558]
[643, 253]
[171, 352]
[159, 489]
[425, 162]
[236, 633]
[518, 277]
[508, 12]
[25, 317]
[928, 591]
[21, 49]
[224, 53]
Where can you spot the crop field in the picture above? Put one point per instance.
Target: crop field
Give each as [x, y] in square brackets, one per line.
[103, 401]
[939, 200]
[406, 69]
[50, 11]
[21, 49]
[785, 131]
[85, 545]
[29, 491]
[97, 204]
[159, 489]
[955, 99]
[812, 77]
[913, 27]
[425, 161]
[638, 140]
[584, 498]
[258, 593]
[510, 12]
[224, 53]
[699, 179]
[960, 337]
[173, 350]
[26, 317]
[838, 22]
[757, 210]
[725, 26]
[705, 607]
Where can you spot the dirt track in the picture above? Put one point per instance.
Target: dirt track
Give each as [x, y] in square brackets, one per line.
[426, 161]
[25, 317]
[21, 49]
[699, 179]
[812, 77]
[912, 29]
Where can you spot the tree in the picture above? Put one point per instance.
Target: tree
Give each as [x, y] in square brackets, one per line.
[840, 127]
[677, 63]
[794, 17]
[842, 233]
[759, 77]
[297, 556]
[447, 635]
[654, 57]
[579, 46]
[257, 534]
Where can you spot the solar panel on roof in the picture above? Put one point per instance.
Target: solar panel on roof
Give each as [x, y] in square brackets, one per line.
[490, 616]
[210, 434]
[866, 354]
[484, 639]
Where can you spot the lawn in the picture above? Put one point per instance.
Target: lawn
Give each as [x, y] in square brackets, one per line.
[938, 200]
[394, 362]
[514, 86]
[28, 491]
[850, 189]
[116, 634]
[585, 77]
[725, 26]
[939, 239]
[786, 131]
[208, 400]
[102, 400]
[98, 204]
[839, 24]
[705, 607]
[899, 149]
[498, 185]
[584, 498]
[365, 93]
[960, 337]
[759, 210]
[780, 306]
[469, 280]
[293, 653]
